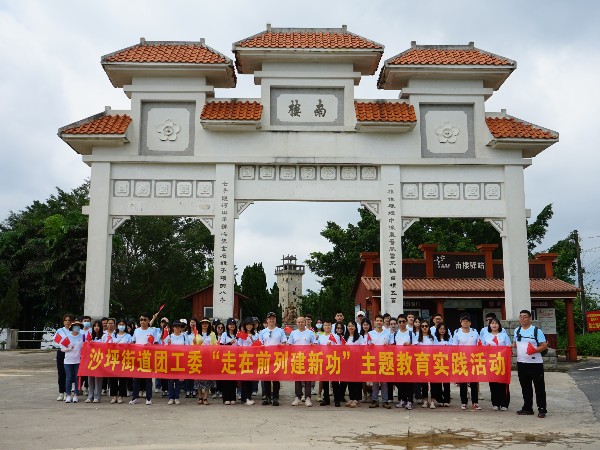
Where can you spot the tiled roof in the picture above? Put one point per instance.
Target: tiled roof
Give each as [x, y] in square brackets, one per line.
[448, 55]
[510, 127]
[316, 39]
[167, 52]
[537, 285]
[232, 110]
[384, 112]
[111, 124]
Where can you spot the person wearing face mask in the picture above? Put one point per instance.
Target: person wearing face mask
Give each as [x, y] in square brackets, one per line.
[71, 346]
[95, 383]
[117, 386]
[86, 335]
[61, 334]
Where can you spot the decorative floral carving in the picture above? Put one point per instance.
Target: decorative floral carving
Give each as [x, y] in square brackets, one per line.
[447, 133]
[168, 130]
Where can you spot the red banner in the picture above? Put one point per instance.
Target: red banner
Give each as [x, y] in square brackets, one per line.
[593, 320]
[439, 364]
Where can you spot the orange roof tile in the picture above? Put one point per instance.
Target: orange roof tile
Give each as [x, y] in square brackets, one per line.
[448, 55]
[537, 285]
[384, 112]
[111, 124]
[232, 110]
[511, 127]
[317, 39]
[167, 52]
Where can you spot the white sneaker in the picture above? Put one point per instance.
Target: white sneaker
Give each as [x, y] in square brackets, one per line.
[401, 404]
[170, 402]
[250, 402]
[302, 398]
[96, 400]
[135, 401]
[68, 399]
[307, 402]
[425, 405]
[177, 402]
[113, 400]
[233, 402]
[408, 406]
[148, 402]
[463, 407]
[119, 399]
[75, 399]
[156, 390]
[89, 400]
[227, 402]
[495, 408]
[432, 405]
[503, 408]
[60, 397]
[296, 402]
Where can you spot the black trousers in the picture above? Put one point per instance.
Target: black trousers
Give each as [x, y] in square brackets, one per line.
[118, 387]
[500, 394]
[354, 391]
[441, 392]
[405, 392]
[272, 389]
[247, 390]
[532, 374]
[474, 393]
[60, 368]
[228, 391]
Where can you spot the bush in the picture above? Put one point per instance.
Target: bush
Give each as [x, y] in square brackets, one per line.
[587, 345]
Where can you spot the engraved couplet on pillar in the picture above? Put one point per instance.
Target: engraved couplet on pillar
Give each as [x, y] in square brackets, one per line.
[391, 249]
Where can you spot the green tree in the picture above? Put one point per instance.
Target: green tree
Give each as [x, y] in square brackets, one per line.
[253, 285]
[10, 307]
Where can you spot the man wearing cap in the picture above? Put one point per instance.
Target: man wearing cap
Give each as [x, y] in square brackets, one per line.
[530, 342]
[360, 316]
[466, 335]
[272, 335]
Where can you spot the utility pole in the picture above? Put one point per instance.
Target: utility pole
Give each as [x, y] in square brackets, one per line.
[580, 271]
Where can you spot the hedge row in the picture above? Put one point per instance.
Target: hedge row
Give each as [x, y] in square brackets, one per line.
[587, 345]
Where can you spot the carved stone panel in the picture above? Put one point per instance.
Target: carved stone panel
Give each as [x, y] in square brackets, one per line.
[167, 128]
[447, 131]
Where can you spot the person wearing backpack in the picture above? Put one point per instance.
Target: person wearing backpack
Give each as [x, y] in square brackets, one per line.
[531, 345]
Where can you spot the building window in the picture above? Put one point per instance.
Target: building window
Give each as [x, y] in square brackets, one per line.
[208, 312]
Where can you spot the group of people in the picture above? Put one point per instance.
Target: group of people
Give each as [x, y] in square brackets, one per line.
[384, 330]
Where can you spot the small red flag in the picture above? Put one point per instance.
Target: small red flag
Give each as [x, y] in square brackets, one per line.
[479, 343]
[195, 331]
[161, 307]
[242, 335]
[288, 329]
[332, 339]
[150, 339]
[342, 340]
[530, 349]
[495, 340]
[369, 339]
[65, 342]
[57, 338]
[109, 338]
[256, 343]
[165, 333]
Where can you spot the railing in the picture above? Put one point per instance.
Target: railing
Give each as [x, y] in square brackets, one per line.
[36, 339]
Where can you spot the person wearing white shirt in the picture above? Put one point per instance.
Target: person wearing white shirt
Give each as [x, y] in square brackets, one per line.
[466, 335]
[246, 338]
[229, 337]
[95, 383]
[360, 316]
[496, 338]
[404, 336]
[269, 336]
[379, 336]
[530, 342]
[352, 337]
[326, 338]
[302, 336]
[60, 335]
[435, 322]
[426, 338]
[441, 391]
[144, 335]
[175, 338]
[117, 385]
[72, 350]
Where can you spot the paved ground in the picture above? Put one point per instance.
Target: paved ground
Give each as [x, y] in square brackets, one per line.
[31, 418]
[586, 374]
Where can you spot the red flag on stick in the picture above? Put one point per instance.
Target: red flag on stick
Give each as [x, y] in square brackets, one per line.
[288, 330]
[150, 339]
[109, 338]
[256, 343]
[57, 338]
[495, 340]
[165, 333]
[332, 339]
[369, 339]
[161, 307]
[342, 340]
[65, 342]
[530, 349]
[242, 335]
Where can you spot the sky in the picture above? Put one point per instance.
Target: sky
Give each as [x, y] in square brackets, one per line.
[51, 76]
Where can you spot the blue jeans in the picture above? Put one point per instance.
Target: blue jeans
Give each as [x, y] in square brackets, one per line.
[174, 388]
[71, 377]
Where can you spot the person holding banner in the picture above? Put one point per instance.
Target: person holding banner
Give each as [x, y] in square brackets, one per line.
[379, 336]
[353, 337]
[466, 335]
[175, 338]
[204, 337]
[118, 385]
[367, 388]
[339, 387]
[441, 391]
[425, 338]
[496, 336]
[325, 338]
[190, 333]
[144, 335]
[269, 336]
[302, 336]
[404, 336]
[59, 336]
[247, 337]
[229, 338]
[95, 383]
[71, 345]
[530, 343]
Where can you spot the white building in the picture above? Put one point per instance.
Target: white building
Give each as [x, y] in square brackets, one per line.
[434, 152]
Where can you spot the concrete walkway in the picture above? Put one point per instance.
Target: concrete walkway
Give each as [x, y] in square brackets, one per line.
[31, 418]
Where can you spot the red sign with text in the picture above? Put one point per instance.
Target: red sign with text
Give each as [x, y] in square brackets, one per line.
[593, 320]
[436, 364]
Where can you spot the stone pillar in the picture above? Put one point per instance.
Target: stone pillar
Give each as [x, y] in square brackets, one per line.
[224, 229]
[390, 231]
[99, 246]
[514, 245]
[571, 347]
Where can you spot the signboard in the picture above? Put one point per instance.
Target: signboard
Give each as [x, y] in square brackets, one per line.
[593, 320]
[436, 364]
[448, 265]
[547, 319]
